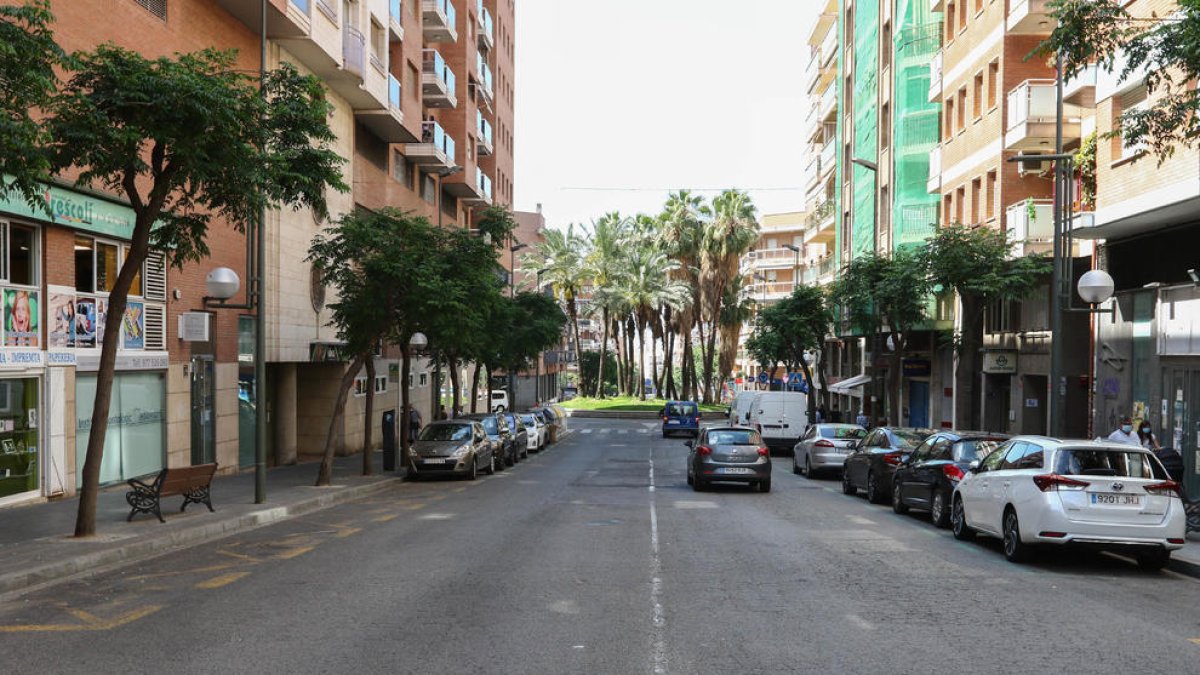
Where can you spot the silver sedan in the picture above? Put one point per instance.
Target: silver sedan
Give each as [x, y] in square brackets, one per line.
[824, 447]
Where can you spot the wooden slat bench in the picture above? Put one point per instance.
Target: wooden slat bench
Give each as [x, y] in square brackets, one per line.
[193, 482]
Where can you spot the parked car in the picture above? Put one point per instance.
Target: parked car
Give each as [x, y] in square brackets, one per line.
[1035, 491]
[498, 431]
[569, 392]
[824, 447]
[535, 424]
[870, 466]
[926, 479]
[452, 447]
[499, 401]
[780, 416]
[680, 416]
[728, 454]
[520, 434]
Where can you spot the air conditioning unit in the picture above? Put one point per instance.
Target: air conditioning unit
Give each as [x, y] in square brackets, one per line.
[1042, 168]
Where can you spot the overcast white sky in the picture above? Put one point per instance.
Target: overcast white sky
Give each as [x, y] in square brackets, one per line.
[651, 95]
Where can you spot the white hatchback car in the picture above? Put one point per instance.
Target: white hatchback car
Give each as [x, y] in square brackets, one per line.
[538, 433]
[1035, 490]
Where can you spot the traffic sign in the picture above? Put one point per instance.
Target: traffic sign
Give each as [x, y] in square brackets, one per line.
[762, 377]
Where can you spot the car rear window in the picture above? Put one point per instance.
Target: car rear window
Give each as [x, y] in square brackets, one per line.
[1097, 462]
[908, 439]
[734, 437]
[843, 433]
[681, 409]
[969, 451]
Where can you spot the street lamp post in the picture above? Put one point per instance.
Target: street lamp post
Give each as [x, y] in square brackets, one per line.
[415, 345]
[876, 339]
[512, 293]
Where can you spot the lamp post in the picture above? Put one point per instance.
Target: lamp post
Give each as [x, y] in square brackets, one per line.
[512, 293]
[416, 343]
[876, 380]
[537, 386]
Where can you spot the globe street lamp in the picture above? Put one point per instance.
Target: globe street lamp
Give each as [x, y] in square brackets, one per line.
[416, 344]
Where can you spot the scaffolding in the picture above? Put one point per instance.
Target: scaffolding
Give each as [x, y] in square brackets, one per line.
[865, 142]
[915, 211]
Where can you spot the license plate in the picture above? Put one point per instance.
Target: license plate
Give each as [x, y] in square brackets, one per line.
[1114, 499]
[672, 421]
[734, 471]
[434, 460]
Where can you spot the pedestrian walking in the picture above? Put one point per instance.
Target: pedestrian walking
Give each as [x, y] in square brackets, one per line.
[862, 420]
[1147, 437]
[1124, 433]
[414, 422]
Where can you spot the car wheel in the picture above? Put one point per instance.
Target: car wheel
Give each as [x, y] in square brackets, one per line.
[699, 484]
[873, 494]
[510, 459]
[491, 470]
[765, 485]
[848, 487]
[898, 504]
[808, 470]
[1152, 562]
[795, 466]
[938, 513]
[958, 522]
[1014, 549]
[690, 479]
[474, 472]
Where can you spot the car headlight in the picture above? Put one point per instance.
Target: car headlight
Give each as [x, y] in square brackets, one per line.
[461, 451]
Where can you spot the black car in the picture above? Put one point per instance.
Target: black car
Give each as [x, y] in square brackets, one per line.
[871, 464]
[728, 454]
[499, 432]
[925, 480]
[520, 434]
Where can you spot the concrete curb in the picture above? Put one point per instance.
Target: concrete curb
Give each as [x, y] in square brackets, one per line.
[1185, 567]
[145, 548]
[633, 414]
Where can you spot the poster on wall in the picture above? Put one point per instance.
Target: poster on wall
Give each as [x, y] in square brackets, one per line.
[101, 318]
[85, 323]
[133, 326]
[62, 320]
[21, 318]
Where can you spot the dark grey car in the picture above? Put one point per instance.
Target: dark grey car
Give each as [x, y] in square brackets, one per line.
[874, 460]
[520, 434]
[452, 448]
[728, 454]
[501, 436]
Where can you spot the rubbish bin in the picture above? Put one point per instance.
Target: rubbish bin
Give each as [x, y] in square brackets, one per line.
[553, 433]
[389, 440]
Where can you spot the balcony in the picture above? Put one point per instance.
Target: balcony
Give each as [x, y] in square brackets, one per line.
[484, 183]
[484, 129]
[485, 79]
[395, 21]
[828, 48]
[354, 51]
[935, 78]
[388, 123]
[820, 220]
[285, 19]
[773, 290]
[436, 149]
[827, 159]
[937, 5]
[825, 269]
[1030, 17]
[827, 106]
[438, 21]
[774, 258]
[1032, 114]
[934, 183]
[487, 28]
[1081, 89]
[437, 81]
[1030, 226]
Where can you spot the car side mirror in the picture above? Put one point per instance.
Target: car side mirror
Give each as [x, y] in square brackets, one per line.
[973, 467]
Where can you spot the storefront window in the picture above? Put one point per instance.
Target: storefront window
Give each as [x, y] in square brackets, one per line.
[22, 255]
[19, 420]
[85, 265]
[106, 266]
[135, 444]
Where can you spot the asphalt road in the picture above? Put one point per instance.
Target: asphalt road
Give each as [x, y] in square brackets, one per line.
[595, 557]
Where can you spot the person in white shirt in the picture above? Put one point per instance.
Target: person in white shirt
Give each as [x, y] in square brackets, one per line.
[1125, 434]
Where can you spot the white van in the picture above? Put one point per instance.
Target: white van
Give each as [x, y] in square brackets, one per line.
[739, 410]
[781, 417]
[499, 400]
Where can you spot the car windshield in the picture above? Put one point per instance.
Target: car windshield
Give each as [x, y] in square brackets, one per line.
[446, 432]
[1103, 462]
[969, 451]
[489, 425]
[907, 439]
[529, 420]
[843, 433]
[734, 437]
[681, 409]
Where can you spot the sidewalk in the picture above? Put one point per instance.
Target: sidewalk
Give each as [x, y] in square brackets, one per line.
[36, 546]
[1187, 559]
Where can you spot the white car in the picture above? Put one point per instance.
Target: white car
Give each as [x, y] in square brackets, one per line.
[539, 434]
[1035, 491]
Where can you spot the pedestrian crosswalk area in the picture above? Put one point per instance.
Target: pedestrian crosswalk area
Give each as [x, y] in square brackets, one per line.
[614, 431]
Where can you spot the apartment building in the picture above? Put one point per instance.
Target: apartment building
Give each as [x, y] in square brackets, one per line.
[1147, 354]
[422, 100]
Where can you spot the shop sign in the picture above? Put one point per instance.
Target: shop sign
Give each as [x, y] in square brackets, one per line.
[917, 367]
[74, 209]
[60, 358]
[1000, 362]
[126, 361]
[21, 358]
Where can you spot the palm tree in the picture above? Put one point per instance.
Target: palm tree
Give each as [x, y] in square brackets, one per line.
[732, 231]
[648, 286]
[736, 309]
[681, 228]
[604, 263]
[558, 259]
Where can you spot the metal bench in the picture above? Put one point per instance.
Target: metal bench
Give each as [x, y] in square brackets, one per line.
[193, 482]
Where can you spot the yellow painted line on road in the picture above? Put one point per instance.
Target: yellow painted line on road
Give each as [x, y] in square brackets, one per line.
[223, 580]
[412, 507]
[459, 489]
[90, 622]
[1195, 641]
[239, 556]
[342, 534]
[384, 519]
[295, 552]
[175, 573]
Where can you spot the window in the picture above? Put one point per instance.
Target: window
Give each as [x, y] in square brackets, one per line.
[378, 45]
[156, 7]
[1132, 102]
[107, 267]
[962, 16]
[978, 6]
[885, 126]
[400, 170]
[949, 118]
[20, 254]
[1125, 464]
[1001, 317]
[989, 197]
[950, 21]
[428, 189]
[97, 264]
[993, 83]
[992, 461]
[424, 379]
[885, 56]
[85, 265]
[962, 109]
[960, 198]
[380, 384]
[976, 198]
[947, 209]
[360, 386]
[969, 451]
[941, 450]
[977, 94]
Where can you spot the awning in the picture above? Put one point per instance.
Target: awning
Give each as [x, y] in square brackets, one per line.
[844, 386]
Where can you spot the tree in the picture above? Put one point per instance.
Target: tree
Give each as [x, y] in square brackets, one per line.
[798, 325]
[1103, 32]
[648, 286]
[184, 140]
[730, 233]
[977, 264]
[604, 260]
[589, 372]
[736, 309]
[681, 235]
[559, 259]
[28, 57]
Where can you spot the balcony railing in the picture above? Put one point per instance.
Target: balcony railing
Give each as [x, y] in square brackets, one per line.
[829, 48]
[354, 50]
[935, 78]
[484, 183]
[1030, 225]
[433, 134]
[393, 92]
[934, 182]
[820, 215]
[825, 266]
[1081, 89]
[827, 104]
[438, 80]
[827, 158]
[439, 20]
[1032, 111]
[484, 129]
[485, 74]
[302, 5]
[486, 26]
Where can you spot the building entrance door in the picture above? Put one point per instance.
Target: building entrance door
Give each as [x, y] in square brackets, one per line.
[204, 448]
[1033, 392]
[997, 402]
[1181, 426]
[918, 404]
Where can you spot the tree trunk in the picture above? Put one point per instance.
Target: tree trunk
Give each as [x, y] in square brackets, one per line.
[641, 337]
[967, 369]
[573, 312]
[895, 377]
[139, 248]
[455, 385]
[826, 395]
[669, 363]
[405, 404]
[812, 399]
[631, 338]
[603, 356]
[325, 474]
[475, 389]
[368, 424]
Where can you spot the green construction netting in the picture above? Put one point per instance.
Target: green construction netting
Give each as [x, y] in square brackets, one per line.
[865, 112]
[915, 213]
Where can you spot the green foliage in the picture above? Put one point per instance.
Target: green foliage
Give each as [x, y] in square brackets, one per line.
[496, 223]
[198, 133]
[520, 328]
[976, 263]
[589, 364]
[1163, 51]
[1085, 164]
[874, 291]
[799, 322]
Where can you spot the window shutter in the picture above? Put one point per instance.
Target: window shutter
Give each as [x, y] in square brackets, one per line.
[156, 328]
[155, 276]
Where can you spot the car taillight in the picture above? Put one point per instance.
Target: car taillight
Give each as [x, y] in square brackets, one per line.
[665, 418]
[697, 419]
[823, 444]
[1053, 481]
[893, 458]
[703, 450]
[1165, 489]
[763, 451]
[953, 472]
